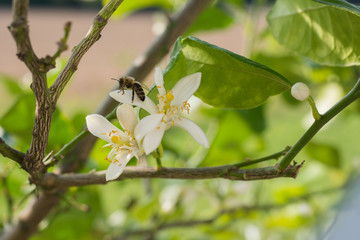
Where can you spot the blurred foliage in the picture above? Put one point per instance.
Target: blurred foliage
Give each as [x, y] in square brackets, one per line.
[274, 209]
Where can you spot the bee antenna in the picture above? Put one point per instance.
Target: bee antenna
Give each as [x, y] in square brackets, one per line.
[115, 79]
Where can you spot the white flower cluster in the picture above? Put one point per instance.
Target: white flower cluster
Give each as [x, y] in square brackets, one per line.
[140, 138]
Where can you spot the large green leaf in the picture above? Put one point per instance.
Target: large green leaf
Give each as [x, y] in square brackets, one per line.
[228, 80]
[327, 32]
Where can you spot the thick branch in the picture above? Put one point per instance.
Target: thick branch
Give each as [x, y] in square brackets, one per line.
[352, 96]
[227, 172]
[11, 153]
[20, 31]
[139, 70]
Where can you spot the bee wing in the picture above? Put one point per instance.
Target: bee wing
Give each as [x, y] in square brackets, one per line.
[144, 87]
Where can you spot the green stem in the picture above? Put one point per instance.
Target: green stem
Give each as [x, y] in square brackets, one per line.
[352, 96]
[158, 163]
[263, 159]
[314, 110]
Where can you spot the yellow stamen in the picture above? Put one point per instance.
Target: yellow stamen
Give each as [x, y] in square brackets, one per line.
[114, 139]
[169, 96]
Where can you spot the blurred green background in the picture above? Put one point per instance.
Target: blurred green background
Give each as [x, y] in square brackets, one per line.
[301, 208]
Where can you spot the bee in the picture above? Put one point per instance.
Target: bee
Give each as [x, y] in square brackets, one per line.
[130, 83]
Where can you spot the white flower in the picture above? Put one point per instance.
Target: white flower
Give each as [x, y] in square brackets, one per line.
[167, 112]
[300, 91]
[123, 143]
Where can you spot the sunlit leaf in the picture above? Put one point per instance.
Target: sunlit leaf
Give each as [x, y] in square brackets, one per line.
[228, 80]
[327, 32]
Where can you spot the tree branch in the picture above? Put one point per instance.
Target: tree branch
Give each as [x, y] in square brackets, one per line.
[11, 153]
[20, 31]
[352, 96]
[29, 222]
[230, 172]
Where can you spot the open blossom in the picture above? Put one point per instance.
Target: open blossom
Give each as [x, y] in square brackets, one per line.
[167, 113]
[123, 144]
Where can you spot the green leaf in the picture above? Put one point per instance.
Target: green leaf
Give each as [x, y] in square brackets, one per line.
[327, 32]
[228, 80]
[325, 154]
[11, 85]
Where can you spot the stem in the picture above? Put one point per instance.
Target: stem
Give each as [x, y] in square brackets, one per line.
[263, 159]
[314, 110]
[352, 96]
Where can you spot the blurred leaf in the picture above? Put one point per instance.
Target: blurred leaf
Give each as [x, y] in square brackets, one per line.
[53, 73]
[211, 19]
[19, 119]
[286, 221]
[228, 145]
[254, 117]
[61, 131]
[128, 7]
[329, 32]
[326, 154]
[228, 80]
[11, 85]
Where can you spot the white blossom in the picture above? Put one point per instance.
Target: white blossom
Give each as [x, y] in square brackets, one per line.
[123, 144]
[167, 112]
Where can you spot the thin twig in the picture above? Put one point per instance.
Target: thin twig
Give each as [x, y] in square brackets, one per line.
[92, 36]
[11, 153]
[227, 172]
[48, 62]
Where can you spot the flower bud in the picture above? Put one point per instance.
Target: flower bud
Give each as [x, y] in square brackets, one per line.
[300, 91]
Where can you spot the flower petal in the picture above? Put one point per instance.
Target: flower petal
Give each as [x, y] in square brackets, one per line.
[127, 117]
[185, 88]
[194, 130]
[147, 104]
[117, 166]
[147, 124]
[153, 139]
[159, 81]
[99, 126]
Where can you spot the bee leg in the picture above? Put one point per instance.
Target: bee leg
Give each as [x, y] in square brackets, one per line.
[133, 95]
